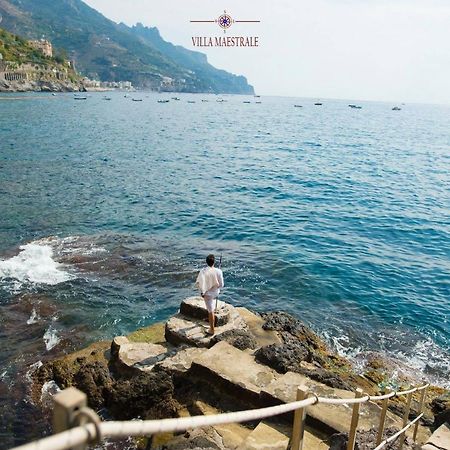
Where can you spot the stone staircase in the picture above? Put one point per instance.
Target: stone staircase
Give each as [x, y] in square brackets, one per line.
[223, 368]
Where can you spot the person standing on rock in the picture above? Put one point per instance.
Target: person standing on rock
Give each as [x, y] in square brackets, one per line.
[209, 282]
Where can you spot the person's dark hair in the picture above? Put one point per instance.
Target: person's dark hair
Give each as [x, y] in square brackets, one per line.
[210, 260]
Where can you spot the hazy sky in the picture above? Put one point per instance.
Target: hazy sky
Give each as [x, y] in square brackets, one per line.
[395, 50]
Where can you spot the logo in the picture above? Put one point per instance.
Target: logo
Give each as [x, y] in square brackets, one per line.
[225, 22]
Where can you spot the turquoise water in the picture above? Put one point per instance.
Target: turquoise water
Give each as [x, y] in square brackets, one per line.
[337, 215]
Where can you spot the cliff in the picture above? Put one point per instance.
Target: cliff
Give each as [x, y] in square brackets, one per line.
[24, 67]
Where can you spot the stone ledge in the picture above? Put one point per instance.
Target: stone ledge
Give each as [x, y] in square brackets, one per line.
[195, 308]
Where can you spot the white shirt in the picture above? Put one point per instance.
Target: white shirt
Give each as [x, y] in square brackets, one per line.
[209, 281]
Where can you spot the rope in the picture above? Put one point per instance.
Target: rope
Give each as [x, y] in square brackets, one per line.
[112, 429]
[396, 435]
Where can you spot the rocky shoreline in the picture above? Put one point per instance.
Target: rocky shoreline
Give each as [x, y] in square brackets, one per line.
[40, 86]
[175, 369]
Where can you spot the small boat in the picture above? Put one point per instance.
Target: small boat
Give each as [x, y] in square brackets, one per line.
[136, 99]
[205, 100]
[246, 102]
[191, 101]
[163, 101]
[80, 98]
[107, 98]
[220, 100]
[298, 106]
[258, 103]
[396, 108]
[318, 104]
[355, 106]
[175, 98]
[54, 95]
[257, 96]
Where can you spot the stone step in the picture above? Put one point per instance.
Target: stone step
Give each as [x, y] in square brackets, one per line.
[265, 437]
[440, 439]
[235, 371]
[232, 434]
[195, 308]
[133, 357]
[182, 330]
[330, 418]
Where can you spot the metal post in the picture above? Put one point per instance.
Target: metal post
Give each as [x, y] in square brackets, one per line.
[384, 407]
[354, 422]
[298, 428]
[421, 405]
[66, 404]
[405, 420]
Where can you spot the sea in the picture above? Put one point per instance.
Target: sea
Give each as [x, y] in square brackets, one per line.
[337, 215]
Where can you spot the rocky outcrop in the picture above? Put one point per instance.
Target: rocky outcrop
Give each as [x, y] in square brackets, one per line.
[147, 395]
[252, 361]
[39, 86]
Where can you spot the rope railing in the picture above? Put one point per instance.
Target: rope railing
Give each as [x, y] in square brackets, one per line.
[71, 410]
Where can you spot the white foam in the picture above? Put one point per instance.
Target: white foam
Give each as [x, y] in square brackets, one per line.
[49, 389]
[32, 369]
[34, 318]
[34, 264]
[51, 338]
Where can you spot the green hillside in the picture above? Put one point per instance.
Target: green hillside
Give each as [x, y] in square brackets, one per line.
[111, 52]
[17, 50]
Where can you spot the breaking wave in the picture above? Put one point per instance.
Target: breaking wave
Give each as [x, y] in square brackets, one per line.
[34, 264]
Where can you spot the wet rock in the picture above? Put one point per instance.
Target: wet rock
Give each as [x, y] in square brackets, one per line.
[441, 418]
[148, 395]
[284, 357]
[281, 321]
[240, 339]
[366, 440]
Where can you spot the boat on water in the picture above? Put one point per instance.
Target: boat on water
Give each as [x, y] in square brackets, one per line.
[80, 98]
[191, 101]
[257, 96]
[298, 106]
[163, 101]
[203, 100]
[355, 106]
[107, 98]
[245, 102]
[258, 103]
[176, 98]
[396, 108]
[136, 99]
[318, 104]
[220, 100]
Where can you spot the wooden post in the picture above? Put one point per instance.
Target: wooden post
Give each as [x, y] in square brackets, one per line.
[354, 422]
[384, 407]
[421, 405]
[298, 427]
[405, 420]
[66, 404]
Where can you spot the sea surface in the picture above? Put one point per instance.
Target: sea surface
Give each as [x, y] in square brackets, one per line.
[340, 216]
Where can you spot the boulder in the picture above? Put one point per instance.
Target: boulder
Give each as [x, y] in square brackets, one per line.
[147, 395]
[440, 439]
[240, 339]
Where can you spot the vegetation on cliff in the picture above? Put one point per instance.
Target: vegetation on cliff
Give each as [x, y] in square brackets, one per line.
[16, 50]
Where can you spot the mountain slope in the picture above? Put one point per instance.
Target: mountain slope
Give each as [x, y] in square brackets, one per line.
[103, 49]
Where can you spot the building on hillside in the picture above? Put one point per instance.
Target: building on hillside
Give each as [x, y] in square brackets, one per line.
[44, 46]
[10, 71]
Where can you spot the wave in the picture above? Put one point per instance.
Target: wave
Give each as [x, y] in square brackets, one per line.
[34, 264]
[51, 338]
[34, 318]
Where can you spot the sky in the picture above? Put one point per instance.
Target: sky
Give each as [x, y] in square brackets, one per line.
[382, 50]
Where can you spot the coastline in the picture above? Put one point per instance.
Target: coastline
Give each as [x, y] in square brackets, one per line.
[159, 371]
[40, 86]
